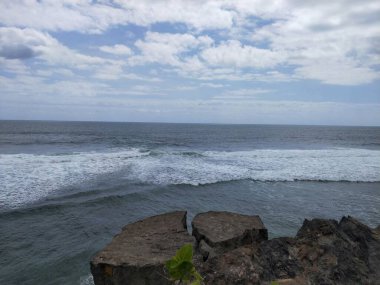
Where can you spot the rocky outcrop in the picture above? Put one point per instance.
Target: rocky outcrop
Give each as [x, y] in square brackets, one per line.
[323, 252]
[234, 249]
[138, 254]
[218, 232]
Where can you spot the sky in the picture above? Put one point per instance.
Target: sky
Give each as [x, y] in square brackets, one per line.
[198, 61]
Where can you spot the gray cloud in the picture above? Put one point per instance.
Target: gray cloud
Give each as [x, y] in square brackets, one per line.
[16, 52]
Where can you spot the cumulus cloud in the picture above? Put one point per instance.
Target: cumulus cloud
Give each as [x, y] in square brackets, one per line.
[117, 49]
[41, 44]
[255, 34]
[338, 73]
[21, 44]
[233, 53]
[167, 48]
[65, 15]
[333, 42]
[241, 46]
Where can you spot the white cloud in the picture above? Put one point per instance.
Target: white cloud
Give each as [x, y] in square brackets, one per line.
[233, 54]
[14, 66]
[66, 15]
[214, 85]
[333, 42]
[33, 43]
[242, 94]
[95, 17]
[197, 15]
[165, 48]
[117, 49]
[338, 73]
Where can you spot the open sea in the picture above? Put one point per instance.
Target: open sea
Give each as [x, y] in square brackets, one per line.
[66, 188]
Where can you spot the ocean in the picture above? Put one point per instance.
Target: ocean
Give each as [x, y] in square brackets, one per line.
[66, 188]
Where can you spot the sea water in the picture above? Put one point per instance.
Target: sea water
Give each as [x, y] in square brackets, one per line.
[66, 188]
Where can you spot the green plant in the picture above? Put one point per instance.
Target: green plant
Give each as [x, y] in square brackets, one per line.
[181, 268]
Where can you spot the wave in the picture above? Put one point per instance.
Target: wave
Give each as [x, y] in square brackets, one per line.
[25, 178]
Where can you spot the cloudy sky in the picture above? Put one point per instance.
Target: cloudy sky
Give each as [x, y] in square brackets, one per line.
[241, 61]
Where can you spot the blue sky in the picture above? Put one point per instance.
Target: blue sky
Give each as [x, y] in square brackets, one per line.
[256, 61]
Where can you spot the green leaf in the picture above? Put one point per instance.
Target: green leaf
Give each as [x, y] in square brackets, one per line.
[184, 269]
[181, 268]
[185, 253]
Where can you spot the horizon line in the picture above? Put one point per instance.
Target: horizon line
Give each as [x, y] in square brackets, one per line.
[185, 123]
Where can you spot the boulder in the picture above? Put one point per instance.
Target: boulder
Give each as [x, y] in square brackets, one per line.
[218, 232]
[334, 253]
[323, 252]
[138, 254]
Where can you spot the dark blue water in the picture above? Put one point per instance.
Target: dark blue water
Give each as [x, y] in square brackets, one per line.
[67, 187]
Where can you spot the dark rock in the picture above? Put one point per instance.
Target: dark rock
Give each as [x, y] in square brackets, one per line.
[233, 249]
[137, 255]
[278, 259]
[317, 227]
[323, 252]
[223, 231]
[205, 250]
[232, 268]
[374, 257]
[333, 253]
[368, 244]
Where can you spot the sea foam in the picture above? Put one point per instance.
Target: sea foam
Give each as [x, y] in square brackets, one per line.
[25, 178]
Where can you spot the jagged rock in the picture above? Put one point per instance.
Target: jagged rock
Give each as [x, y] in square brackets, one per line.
[223, 231]
[323, 252]
[277, 258]
[232, 268]
[236, 251]
[137, 255]
[205, 250]
[334, 253]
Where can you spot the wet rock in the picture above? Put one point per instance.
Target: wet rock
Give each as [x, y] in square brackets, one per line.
[137, 255]
[224, 231]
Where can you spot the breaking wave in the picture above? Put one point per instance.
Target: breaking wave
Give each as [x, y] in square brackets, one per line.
[25, 178]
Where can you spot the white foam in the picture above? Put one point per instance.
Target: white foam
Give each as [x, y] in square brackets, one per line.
[86, 280]
[356, 165]
[26, 177]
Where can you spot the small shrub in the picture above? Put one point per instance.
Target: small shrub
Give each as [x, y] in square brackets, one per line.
[181, 268]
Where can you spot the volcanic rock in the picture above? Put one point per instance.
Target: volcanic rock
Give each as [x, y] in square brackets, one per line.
[233, 249]
[138, 254]
[218, 232]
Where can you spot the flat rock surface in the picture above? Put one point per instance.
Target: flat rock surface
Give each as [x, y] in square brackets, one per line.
[138, 254]
[228, 230]
[149, 241]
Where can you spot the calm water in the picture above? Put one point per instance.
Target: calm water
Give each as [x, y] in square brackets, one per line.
[67, 188]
